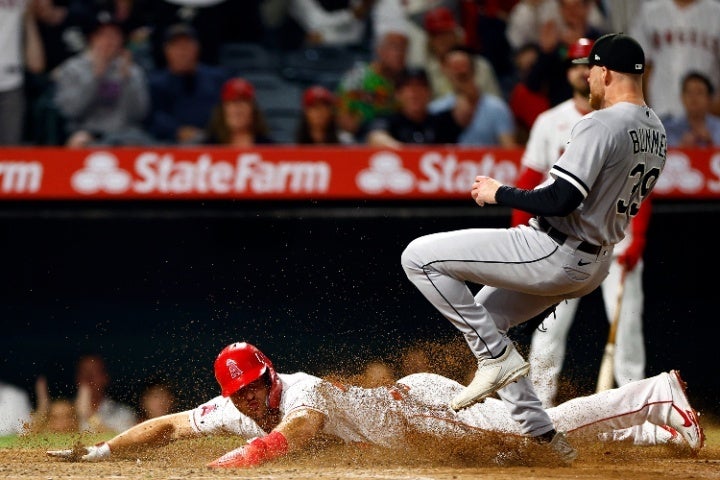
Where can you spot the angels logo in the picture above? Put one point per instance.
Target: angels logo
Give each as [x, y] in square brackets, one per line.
[260, 358]
[208, 409]
[233, 369]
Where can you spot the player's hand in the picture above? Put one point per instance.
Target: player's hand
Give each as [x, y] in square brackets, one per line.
[632, 255]
[93, 453]
[239, 458]
[259, 450]
[484, 189]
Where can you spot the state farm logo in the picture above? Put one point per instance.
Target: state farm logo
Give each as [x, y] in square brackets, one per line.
[101, 174]
[154, 172]
[436, 172]
[386, 172]
[679, 174]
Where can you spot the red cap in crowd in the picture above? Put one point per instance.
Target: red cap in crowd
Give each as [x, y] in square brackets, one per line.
[237, 89]
[580, 49]
[317, 93]
[440, 20]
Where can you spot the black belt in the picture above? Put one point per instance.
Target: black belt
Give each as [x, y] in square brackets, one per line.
[560, 237]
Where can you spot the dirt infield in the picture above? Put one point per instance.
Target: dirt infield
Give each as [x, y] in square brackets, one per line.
[187, 459]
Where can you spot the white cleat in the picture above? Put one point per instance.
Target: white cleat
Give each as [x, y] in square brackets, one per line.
[492, 375]
[683, 418]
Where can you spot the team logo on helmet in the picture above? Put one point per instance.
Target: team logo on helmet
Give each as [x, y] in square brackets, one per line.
[259, 358]
[233, 369]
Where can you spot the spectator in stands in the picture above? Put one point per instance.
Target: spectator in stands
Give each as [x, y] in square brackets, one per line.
[237, 120]
[102, 92]
[216, 22]
[21, 52]
[697, 127]
[526, 104]
[60, 30]
[620, 14]
[56, 416]
[442, 34]
[61, 417]
[157, 399]
[528, 18]
[547, 75]
[367, 90]
[183, 94]
[327, 22]
[485, 23]
[15, 409]
[413, 123]
[486, 118]
[131, 15]
[97, 411]
[318, 122]
[678, 36]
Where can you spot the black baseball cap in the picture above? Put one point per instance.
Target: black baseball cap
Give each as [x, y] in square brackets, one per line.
[616, 51]
[410, 74]
[180, 30]
[99, 20]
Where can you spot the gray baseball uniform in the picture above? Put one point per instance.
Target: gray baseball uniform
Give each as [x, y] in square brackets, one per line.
[613, 158]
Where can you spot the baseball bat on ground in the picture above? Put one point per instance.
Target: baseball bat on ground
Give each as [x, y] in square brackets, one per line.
[606, 377]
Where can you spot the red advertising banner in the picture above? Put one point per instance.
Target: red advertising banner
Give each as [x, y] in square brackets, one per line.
[293, 173]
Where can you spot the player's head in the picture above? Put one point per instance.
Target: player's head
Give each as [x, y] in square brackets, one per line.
[616, 63]
[577, 73]
[240, 364]
[617, 52]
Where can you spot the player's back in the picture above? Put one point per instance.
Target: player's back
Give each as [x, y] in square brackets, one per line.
[615, 156]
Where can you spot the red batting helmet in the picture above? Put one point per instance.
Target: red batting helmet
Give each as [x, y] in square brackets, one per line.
[580, 49]
[239, 364]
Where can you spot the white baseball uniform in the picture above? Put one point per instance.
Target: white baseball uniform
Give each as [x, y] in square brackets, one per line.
[546, 143]
[677, 40]
[418, 403]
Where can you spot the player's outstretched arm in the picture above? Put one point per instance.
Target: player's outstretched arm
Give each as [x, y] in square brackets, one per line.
[293, 433]
[150, 433]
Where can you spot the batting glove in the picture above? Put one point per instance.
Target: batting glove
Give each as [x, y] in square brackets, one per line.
[254, 453]
[93, 453]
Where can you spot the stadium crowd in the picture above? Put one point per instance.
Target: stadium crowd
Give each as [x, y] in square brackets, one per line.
[193, 72]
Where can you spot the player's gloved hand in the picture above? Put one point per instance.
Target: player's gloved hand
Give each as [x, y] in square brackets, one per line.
[258, 451]
[632, 255]
[93, 453]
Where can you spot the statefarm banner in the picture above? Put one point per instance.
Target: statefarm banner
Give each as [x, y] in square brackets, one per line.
[272, 172]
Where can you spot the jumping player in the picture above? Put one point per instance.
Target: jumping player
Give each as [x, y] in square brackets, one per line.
[281, 413]
[548, 137]
[610, 165]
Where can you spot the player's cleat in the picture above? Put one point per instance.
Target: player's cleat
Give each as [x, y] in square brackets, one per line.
[668, 435]
[683, 417]
[643, 435]
[562, 448]
[492, 375]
